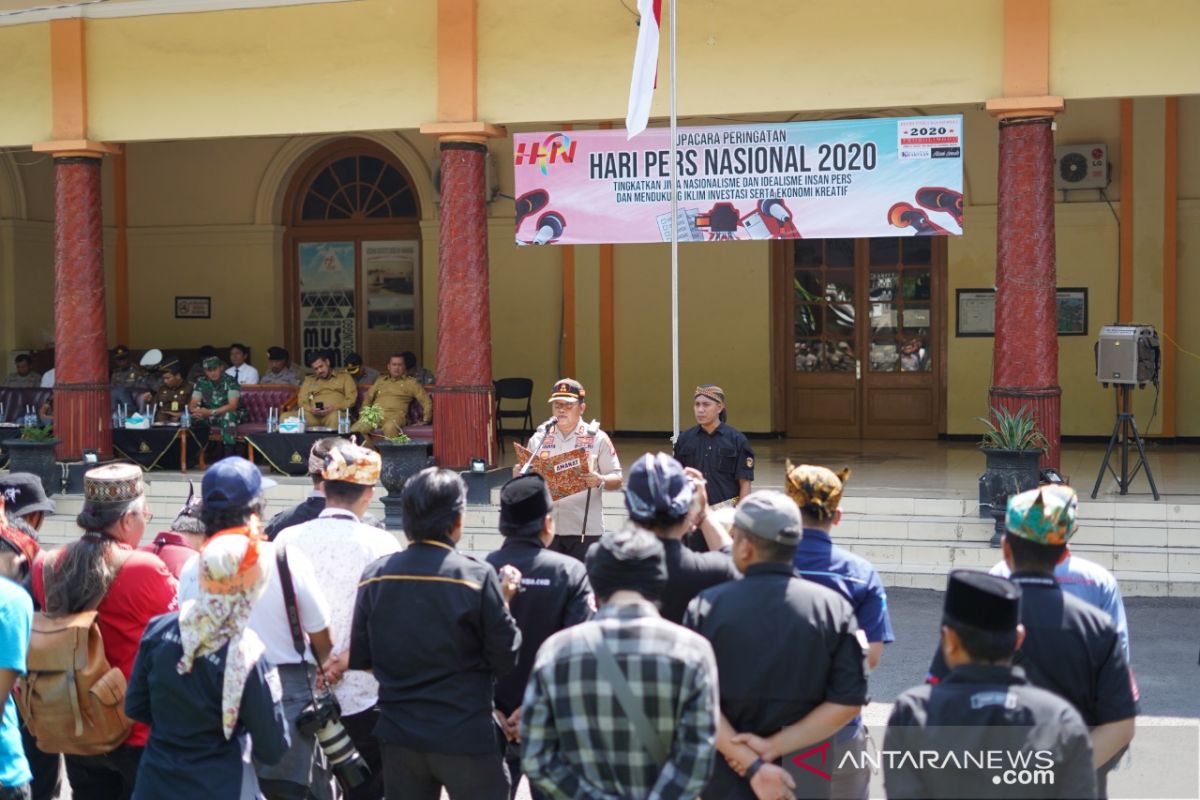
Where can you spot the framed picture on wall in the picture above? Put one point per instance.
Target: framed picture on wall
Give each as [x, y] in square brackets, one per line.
[193, 307]
[977, 312]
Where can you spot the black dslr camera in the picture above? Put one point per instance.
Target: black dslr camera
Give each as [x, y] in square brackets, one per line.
[323, 718]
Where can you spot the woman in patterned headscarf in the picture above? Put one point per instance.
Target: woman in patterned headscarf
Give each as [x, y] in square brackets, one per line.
[200, 683]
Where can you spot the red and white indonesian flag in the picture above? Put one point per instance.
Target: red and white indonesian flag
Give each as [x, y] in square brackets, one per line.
[645, 68]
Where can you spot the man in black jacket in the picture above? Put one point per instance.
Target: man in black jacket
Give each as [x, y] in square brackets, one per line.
[555, 594]
[434, 626]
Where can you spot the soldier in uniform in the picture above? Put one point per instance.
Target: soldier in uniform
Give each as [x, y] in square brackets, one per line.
[1071, 648]
[578, 518]
[281, 371]
[197, 370]
[789, 654]
[817, 492]
[719, 451]
[215, 399]
[24, 377]
[984, 705]
[324, 393]
[362, 375]
[127, 378]
[394, 393]
[555, 594]
[174, 395]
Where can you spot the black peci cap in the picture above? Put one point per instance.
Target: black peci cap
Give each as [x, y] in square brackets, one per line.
[983, 601]
[524, 504]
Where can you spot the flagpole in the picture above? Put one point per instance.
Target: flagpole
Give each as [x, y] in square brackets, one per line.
[674, 241]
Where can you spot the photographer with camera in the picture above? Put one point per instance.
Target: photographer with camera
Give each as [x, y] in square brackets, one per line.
[232, 499]
[433, 624]
[340, 548]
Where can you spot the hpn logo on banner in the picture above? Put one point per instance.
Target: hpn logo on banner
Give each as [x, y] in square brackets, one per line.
[555, 147]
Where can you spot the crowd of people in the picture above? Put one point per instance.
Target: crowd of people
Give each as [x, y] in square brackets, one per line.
[701, 649]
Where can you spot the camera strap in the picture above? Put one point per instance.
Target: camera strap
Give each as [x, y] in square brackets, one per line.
[289, 602]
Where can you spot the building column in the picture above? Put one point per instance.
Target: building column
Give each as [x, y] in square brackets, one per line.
[464, 404]
[82, 413]
[1025, 350]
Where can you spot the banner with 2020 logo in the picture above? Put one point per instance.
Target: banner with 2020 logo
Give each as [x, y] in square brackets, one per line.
[790, 180]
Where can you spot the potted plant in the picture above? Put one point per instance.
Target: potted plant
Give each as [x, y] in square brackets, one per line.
[402, 458]
[34, 452]
[1012, 446]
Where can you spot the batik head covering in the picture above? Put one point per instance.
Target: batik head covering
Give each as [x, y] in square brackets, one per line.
[816, 490]
[352, 464]
[231, 580]
[1046, 515]
[711, 391]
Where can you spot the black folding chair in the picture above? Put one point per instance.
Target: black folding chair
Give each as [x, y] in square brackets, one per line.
[515, 390]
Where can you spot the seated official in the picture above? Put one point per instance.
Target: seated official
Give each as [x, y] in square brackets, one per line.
[324, 393]
[280, 369]
[424, 376]
[240, 369]
[173, 396]
[394, 393]
[24, 377]
[128, 380]
[197, 371]
[215, 400]
[362, 374]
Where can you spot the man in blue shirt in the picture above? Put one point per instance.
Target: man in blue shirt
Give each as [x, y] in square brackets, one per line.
[16, 621]
[818, 493]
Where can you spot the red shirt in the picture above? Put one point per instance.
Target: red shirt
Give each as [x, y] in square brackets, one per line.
[172, 548]
[143, 589]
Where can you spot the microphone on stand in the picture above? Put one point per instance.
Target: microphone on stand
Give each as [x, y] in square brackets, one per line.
[535, 444]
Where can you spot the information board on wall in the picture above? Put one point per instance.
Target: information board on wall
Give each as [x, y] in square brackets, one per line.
[827, 179]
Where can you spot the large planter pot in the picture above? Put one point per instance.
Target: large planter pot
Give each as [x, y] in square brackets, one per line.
[400, 462]
[38, 458]
[1008, 472]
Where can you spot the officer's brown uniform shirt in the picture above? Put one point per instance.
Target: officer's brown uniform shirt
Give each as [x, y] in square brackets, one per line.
[394, 396]
[171, 402]
[336, 392]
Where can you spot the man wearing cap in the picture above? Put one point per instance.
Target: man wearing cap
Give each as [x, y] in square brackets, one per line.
[240, 369]
[720, 451]
[667, 500]
[281, 372]
[555, 594]
[433, 625]
[196, 372]
[580, 739]
[324, 393]
[394, 393]
[362, 374]
[1070, 648]
[215, 399]
[341, 548]
[984, 705]
[1091, 583]
[24, 377]
[817, 492]
[772, 629]
[127, 378]
[17, 551]
[232, 501]
[174, 394]
[311, 507]
[25, 498]
[579, 517]
[134, 588]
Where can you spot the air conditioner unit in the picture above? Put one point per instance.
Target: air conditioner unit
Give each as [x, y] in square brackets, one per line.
[1081, 166]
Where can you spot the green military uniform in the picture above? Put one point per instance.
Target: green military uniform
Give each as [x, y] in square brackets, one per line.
[214, 395]
[336, 392]
[394, 395]
[171, 402]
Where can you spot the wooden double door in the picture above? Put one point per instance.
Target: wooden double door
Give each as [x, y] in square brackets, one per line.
[864, 335]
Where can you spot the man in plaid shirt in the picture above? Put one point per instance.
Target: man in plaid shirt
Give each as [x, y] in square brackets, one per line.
[579, 742]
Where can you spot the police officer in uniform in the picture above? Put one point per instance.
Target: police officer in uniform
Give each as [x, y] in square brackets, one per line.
[817, 492]
[578, 518]
[719, 451]
[555, 594]
[174, 394]
[789, 654]
[985, 704]
[127, 378]
[325, 392]
[394, 393]
[1071, 648]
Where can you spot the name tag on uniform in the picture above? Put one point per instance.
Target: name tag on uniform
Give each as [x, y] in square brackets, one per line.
[174, 405]
[566, 465]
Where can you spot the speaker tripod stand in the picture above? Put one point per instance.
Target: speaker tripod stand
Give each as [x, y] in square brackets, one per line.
[1124, 433]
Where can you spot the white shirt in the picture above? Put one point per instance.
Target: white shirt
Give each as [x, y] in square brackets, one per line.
[48, 379]
[568, 512]
[246, 375]
[340, 548]
[269, 617]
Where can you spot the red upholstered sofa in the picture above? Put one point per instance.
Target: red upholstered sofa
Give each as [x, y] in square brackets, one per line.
[15, 400]
[258, 399]
[416, 430]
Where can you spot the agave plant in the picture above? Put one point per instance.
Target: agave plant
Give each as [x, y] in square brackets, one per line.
[1012, 430]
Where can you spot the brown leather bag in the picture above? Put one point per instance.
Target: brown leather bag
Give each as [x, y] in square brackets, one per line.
[71, 698]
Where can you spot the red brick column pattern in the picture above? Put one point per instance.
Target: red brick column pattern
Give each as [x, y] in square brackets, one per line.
[463, 405]
[1025, 355]
[82, 415]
